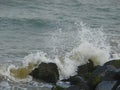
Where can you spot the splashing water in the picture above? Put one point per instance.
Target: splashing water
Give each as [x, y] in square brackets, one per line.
[87, 43]
[93, 46]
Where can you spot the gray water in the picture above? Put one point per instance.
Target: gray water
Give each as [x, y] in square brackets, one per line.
[30, 25]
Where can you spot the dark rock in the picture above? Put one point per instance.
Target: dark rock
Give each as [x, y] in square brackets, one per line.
[99, 74]
[117, 76]
[118, 87]
[106, 85]
[115, 63]
[93, 81]
[78, 81]
[94, 75]
[58, 88]
[86, 76]
[75, 87]
[83, 69]
[72, 87]
[47, 72]
[99, 71]
[94, 78]
[107, 72]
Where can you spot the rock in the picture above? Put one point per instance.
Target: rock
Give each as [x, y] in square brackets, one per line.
[58, 88]
[106, 85]
[83, 69]
[118, 87]
[75, 87]
[99, 71]
[98, 74]
[78, 81]
[93, 81]
[94, 78]
[115, 63]
[47, 72]
[117, 76]
[107, 72]
[72, 87]
[94, 75]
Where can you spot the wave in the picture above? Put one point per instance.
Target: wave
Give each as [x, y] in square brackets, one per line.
[92, 45]
[30, 21]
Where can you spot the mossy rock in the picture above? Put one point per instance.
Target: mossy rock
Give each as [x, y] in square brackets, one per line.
[93, 81]
[58, 88]
[86, 68]
[72, 87]
[47, 72]
[77, 82]
[115, 63]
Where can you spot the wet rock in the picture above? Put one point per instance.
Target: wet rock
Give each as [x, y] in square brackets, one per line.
[72, 87]
[117, 76]
[99, 71]
[94, 78]
[115, 63]
[83, 69]
[57, 87]
[93, 81]
[118, 87]
[99, 74]
[106, 85]
[75, 87]
[106, 72]
[78, 81]
[47, 72]
[93, 75]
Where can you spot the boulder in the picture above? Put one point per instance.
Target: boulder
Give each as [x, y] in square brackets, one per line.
[57, 87]
[47, 72]
[89, 74]
[107, 72]
[86, 68]
[107, 85]
[117, 76]
[92, 75]
[118, 87]
[115, 63]
[72, 87]
[75, 87]
[99, 74]
[77, 81]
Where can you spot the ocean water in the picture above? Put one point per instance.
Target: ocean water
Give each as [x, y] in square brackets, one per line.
[61, 31]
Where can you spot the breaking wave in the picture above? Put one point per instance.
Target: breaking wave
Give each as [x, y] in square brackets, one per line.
[90, 43]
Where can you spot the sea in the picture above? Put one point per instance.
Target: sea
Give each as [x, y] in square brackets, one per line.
[65, 32]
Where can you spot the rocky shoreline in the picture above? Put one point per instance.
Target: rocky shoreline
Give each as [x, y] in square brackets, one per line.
[89, 77]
